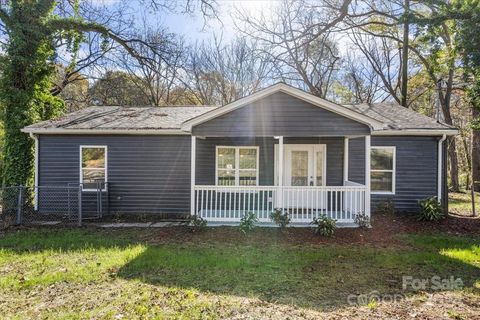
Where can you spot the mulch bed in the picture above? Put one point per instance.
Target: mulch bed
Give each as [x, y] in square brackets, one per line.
[383, 233]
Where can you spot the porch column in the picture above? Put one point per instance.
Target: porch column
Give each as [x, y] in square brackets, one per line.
[345, 160]
[367, 174]
[279, 203]
[192, 175]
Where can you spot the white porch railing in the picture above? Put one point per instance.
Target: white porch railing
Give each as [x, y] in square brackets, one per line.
[230, 203]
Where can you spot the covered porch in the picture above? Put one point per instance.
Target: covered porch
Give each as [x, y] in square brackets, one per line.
[304, 176]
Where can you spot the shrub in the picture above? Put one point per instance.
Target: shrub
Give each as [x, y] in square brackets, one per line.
[197, 223]
[362, 220]
[282, 219]
[324, 225]
[247, 222]
[430, 210]
[385, 207]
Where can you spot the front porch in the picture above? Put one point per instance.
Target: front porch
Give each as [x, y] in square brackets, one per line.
[309, 180]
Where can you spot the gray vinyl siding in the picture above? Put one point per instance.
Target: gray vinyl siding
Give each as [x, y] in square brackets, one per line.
[205, 164]
[146, 174]
[280, 114]
[416, 169]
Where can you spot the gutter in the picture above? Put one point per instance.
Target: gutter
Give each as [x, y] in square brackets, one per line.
[440, 167]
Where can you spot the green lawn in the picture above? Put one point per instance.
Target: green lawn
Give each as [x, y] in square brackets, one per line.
[461, 203]
[92, 273]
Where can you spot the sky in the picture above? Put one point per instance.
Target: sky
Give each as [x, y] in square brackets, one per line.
[194, 27]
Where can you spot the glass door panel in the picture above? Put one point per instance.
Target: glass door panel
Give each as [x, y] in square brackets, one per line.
[299, 166]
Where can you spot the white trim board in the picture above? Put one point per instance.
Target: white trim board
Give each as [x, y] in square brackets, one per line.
[106, 131]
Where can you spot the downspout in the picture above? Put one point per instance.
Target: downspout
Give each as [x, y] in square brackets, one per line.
[35, 187]
[440, 167]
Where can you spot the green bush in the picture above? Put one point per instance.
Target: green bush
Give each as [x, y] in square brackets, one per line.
[324, 225]
[385, 207]
[247, 222]
[197, 223]
[362, 220]
[430, 210]
[282, 219]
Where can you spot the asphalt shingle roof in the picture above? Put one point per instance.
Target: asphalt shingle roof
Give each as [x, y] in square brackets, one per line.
[150, 118]
[126, 118]
[397, 117]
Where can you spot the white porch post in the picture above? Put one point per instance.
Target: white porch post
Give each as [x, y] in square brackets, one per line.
[192, 175]
[281, 156]
[367, 174]
[345, 160]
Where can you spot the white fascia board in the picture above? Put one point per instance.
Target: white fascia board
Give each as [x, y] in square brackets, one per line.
[319, 102]
[416, 132]
[105, 131]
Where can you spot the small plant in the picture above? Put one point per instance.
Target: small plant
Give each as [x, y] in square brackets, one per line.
[247, 222]
[430, 210]
[324, 225]
[282, 219]
[362, 220]
[197, 223]
[385, 207]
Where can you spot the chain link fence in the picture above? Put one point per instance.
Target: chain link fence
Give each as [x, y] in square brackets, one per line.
[50, 205]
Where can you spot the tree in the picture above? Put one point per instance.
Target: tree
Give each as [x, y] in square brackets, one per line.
[220, 73]
[160, 77]
[117, 88]
[298, 40]
[432, 46]
[31, 30]
[468, 44]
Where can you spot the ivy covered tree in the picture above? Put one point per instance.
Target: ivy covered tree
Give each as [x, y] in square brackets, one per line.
[32, 30]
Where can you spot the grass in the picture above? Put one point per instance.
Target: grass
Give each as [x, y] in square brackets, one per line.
[93, 273]
[461, 203]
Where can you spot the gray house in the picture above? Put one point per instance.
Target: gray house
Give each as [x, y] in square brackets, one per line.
[278, 148]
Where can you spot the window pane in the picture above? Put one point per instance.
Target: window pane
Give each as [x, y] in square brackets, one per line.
[382, 159]
[319, 168]
[299, 168]
[381, 181]
[93, 158]
[226, 178]
[93, 176]
[226, 158]
[248, 158]
[248, 178]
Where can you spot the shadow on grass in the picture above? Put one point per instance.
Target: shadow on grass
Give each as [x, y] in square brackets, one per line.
[306, 276]
[310, 277]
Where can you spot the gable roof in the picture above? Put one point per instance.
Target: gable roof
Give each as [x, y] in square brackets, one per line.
[382, 118]
[282, 87]
[104, 119]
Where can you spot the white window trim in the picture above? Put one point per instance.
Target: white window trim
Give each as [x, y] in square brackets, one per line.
[393, 171]
[105, 168]
[237, 163]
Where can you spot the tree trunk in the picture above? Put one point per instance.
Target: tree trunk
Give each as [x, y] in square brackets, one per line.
[404, 88]
[475, 152]
[453, 161]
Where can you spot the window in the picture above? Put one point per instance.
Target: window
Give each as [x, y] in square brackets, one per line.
[382, 171]
[93, 167]
[237, 166]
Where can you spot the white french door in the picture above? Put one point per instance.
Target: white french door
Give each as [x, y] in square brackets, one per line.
[305, 165]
